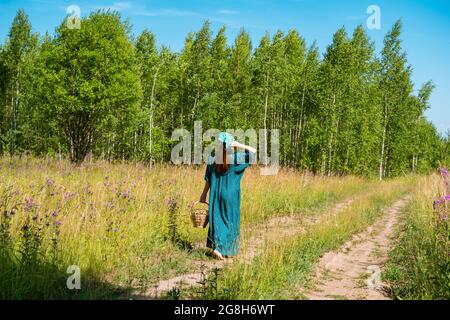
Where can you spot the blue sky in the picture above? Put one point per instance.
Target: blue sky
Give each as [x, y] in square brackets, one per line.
[426, 27]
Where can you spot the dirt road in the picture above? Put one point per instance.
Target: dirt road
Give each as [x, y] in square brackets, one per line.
[250, 247]
[353, 272]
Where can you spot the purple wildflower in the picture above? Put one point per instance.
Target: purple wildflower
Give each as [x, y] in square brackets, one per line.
[29, 204]
[87, 190]
[172, 203]
[444, 172]
[125, 194]
[55, 213]
[58, 223]
[50, 182]
[109, 204]
[438, 203]
[68, 195]
[447, 197]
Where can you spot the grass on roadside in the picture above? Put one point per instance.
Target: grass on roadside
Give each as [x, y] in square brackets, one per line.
[287, 264]
[125, 225]
[419, 265]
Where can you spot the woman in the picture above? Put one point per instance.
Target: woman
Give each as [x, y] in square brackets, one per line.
[222, 179]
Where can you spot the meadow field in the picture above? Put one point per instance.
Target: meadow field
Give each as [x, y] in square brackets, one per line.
[126, 227]
[99, 104]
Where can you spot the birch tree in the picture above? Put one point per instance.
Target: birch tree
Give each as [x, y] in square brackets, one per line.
[395, 87]
[16, 54]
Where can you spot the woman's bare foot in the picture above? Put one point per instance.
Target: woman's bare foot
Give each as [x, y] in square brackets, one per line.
[218, 255]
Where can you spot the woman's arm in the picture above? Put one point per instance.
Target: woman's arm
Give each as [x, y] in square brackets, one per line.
[243, 146]
[205, 192]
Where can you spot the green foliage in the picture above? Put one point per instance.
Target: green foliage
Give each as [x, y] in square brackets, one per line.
[15, 57]
[95, 91]
[419, 265]
[88, 84]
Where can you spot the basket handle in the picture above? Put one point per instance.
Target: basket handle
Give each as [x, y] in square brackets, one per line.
[197, 202]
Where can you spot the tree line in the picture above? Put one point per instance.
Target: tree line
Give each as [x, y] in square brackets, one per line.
[98, 91]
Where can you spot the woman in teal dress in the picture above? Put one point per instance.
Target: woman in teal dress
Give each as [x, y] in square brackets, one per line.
[223, 180]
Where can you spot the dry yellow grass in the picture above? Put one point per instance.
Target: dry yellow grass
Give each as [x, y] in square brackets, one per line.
[113, 220]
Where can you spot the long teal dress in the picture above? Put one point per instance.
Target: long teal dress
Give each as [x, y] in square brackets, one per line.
[225, 204]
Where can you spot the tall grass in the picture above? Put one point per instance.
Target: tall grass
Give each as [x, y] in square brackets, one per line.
[287, 263]
[125, 225]
[419, 265]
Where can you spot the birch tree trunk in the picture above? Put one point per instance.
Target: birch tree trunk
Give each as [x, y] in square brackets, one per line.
[195, 103]
[335, 146]
[71, 148]
[300, 124]
[135, 143]
[322, 170]
[330, 145]
[265, 114]
[150, 134]
[383, 140]
[15, 107]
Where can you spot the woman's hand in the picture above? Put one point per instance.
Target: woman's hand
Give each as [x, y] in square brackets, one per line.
[252, 150]
[243, 146]
[204, 193]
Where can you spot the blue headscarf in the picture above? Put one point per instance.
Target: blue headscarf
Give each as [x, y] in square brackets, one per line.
[226, 138]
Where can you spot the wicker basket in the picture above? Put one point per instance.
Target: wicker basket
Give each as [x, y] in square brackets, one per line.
[199, 215]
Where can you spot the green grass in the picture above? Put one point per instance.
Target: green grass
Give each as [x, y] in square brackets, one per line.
[287, 264]
[419, 264]
[113, 221]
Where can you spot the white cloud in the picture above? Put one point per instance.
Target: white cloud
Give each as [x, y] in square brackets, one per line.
[141, 10]
[166, 12]
[117, 6]
[355, 18]
[226, 11]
